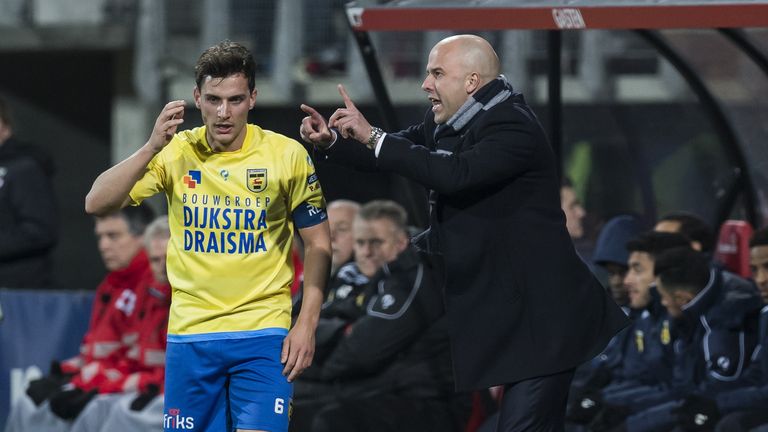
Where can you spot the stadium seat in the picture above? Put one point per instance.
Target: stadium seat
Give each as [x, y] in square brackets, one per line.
[732, 249]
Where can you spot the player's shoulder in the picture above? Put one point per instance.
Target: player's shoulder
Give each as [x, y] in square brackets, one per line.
[280, 143]
[185, 140]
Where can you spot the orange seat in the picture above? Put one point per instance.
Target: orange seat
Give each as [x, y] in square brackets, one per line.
[732, 248]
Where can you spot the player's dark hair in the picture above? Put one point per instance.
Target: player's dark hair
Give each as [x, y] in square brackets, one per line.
[225, 59]
[654, 242]
[693, 227]
[682, 268]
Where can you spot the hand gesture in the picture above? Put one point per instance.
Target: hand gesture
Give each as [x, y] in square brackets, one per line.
[166, 124]
[298, 350]
[349, 121]
[314, 130]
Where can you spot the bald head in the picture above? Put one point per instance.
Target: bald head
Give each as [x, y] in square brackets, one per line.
[474, 54]
[458, 66]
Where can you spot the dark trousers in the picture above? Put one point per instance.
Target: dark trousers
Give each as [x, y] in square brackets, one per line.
[536, 404]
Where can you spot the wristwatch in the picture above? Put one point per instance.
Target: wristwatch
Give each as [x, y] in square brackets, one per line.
[376, 134]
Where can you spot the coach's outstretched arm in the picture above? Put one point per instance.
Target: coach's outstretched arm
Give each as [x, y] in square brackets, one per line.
[110, 189]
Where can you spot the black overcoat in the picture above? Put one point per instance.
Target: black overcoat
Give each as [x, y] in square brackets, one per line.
[520, 301]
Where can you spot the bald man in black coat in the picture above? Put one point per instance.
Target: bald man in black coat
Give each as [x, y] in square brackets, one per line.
[524, 310]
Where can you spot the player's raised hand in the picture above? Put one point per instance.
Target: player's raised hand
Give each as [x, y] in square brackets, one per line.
[166, 124]
[349, 120]
[314, 129]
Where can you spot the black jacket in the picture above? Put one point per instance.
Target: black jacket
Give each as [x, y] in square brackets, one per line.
[520, 301]
[399, 345]
[28, 219]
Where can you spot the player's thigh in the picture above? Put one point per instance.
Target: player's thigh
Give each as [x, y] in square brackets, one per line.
[195, 386]
[259, 394]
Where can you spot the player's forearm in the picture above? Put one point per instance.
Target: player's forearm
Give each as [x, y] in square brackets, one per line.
[317, 263]
[110, 189]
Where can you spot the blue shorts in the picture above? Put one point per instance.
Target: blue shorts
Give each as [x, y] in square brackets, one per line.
[226, 384]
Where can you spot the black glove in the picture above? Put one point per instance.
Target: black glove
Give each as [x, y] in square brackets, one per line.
[41, 389]
[697, 413]
[143, 399]
[584, 407]
[610, 418]
[68, 404]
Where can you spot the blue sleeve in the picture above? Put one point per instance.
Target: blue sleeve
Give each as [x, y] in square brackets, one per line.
[307, 215]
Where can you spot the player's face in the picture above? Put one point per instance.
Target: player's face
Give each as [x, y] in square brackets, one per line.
[758, 260]
[117, 245]
[156, 252]
[671, 302]
[616, 275]
[342, 240]
[639, 279]
[446, 83]
[377, 242]
[224, 104]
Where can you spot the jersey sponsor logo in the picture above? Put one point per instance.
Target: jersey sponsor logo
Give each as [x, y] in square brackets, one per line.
[209, 228]
[219, 224]
[312, 178]
[568, 18]
[256, 179]
[175, 421]
[193, 178]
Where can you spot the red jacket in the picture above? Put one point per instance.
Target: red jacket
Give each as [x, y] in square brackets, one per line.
[115, 304]
[144, 360]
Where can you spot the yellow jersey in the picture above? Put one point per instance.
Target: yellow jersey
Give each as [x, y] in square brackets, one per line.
[232, 217]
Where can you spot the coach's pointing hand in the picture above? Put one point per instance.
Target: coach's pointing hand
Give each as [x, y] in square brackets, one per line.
[349, 121]
[314, 128]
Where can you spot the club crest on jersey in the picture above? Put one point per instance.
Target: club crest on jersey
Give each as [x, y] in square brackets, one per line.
[256, 179]
[193, 178]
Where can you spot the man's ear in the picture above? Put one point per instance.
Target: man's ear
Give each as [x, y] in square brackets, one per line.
[252, 99]
[473, 82]
[196, 96]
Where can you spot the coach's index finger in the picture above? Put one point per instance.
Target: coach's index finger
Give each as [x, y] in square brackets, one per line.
[347, 101]
[311, 111]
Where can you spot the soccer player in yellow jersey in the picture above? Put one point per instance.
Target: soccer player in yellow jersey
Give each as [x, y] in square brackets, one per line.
[235, 193]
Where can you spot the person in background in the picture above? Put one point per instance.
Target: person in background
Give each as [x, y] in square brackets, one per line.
[389, 369]
[574, 212]
[688, 224]
[28, 212]
[341, 214]
[612, 255]
[133, 400]
[740, 409]
[53, 401]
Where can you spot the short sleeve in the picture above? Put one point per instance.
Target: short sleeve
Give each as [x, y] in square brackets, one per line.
[151, 182]
[306, 196]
